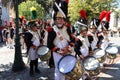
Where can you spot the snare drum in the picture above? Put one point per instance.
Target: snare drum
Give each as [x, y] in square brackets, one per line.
[99, 54]
[44, 53]
[111, 52]
[71, 67]
[91, 65]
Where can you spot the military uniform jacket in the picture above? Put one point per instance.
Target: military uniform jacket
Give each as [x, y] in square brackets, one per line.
[82, 46]
[59, 38]
[32, 53]
[103, 40]
[93, 39]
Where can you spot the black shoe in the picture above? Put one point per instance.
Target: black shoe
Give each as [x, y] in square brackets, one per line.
[51, 66]
[87, 79]
[37, 71]
[31, 74]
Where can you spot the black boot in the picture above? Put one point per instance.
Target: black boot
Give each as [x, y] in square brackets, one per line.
[36, 66]
[31, 68]
[51, 61]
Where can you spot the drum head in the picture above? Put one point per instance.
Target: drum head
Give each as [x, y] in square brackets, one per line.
[98, 53]
[90, 63]
[42, 50]
[66, 64]
[112, 50]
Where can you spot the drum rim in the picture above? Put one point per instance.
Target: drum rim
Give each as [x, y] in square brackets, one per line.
[110, 52]
[43, 46]
[90, 57]
[98, 49]
[61, 60]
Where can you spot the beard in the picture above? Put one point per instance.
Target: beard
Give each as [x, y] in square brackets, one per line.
[59, 25]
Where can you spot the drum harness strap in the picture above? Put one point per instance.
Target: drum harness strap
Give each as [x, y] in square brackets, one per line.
[60, 35]
[39, 36]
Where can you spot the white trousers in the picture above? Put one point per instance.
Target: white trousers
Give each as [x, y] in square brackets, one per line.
[57, 74]
[104, 45]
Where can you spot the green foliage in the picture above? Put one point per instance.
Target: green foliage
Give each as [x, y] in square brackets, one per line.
[92, 7]
[117, 13]
[24, 9]
[46, 4]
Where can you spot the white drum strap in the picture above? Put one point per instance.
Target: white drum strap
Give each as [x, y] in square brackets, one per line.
[94, 42]
[84, 46]
[35, 38]
[84, 41]
[62, 39]
[95, 37]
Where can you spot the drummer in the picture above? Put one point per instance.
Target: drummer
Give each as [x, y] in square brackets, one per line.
[82, 45]
[34, 42]
[103, 40]
[59, 40]
[92, 33]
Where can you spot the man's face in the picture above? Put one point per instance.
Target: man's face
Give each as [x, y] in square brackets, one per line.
[83, 32]
[34, 28]
[59, 21]
[93, 29]
[105, 31]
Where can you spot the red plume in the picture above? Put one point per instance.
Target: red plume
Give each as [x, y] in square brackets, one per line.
[42, 22]
[67, 25]
[82, 13]
[102, 15]
[49, 29]
[67, 1]
[108, 16]
[38, 21]
[22, 17]
[11, 23]
[24, 21]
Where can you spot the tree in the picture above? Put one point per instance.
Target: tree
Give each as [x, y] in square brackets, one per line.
[24, 9]
[46, 4]
[117, 14]
[93, 8]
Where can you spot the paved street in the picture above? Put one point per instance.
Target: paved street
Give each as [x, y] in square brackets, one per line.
[110, 72]
[6, 61]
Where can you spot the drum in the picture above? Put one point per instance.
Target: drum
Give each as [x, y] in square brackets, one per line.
[71, 67]
[91, 65]
[99, 54]
[44, 53]
[111, 52]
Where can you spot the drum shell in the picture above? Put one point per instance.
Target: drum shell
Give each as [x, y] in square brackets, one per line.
[46, 55]
[102, 58]
[75, 73]
[111, 52]
[111, 56]
[92, 72]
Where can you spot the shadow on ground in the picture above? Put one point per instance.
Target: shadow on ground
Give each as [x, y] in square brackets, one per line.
[6, 73]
